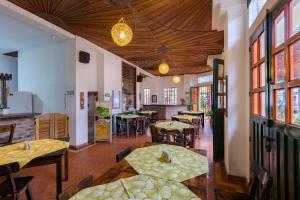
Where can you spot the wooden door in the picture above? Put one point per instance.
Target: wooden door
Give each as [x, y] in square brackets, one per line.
[218, 108]
[275, 116]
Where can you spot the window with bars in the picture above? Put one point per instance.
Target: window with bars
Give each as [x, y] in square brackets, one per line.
[146, 96]
[286, 63]
[170, 96]
[258, 69]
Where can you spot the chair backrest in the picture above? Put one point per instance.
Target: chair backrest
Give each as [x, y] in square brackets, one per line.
[10, 129]
[184, 121]
[71, 191]
[44, 127]
[122, 154]
[196, 121]
[189, 135]
[171, 137]
[180, 113]
[61, 125]
[261, 179]
[153, 133]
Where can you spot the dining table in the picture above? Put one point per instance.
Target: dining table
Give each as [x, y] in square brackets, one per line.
[40, 152]
[186, 117]
[142, 176]
[127, 118]
[172, 126]
[194, 113]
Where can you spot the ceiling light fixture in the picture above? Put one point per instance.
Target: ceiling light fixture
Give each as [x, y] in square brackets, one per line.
[163, 68]
[121, 33]
[176, 79]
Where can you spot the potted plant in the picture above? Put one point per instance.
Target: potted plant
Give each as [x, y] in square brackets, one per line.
[209, 114]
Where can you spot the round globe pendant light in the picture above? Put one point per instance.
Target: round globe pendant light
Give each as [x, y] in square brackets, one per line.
[176, 79]
[163, 68]
[121, 33]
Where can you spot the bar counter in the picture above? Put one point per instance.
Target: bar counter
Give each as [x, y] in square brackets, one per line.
[24, 125]
[166, 111]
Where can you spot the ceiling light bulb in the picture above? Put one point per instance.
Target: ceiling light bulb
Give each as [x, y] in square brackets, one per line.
[163, 68]
[176, 79]
[122, 35]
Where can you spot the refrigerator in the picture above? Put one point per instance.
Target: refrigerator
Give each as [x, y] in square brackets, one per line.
[19, 102]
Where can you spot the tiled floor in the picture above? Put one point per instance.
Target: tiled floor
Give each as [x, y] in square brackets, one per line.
[98, 158]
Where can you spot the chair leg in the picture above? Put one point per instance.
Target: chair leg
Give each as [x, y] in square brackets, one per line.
[28, 193]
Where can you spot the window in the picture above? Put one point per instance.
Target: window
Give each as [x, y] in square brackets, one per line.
[286, 63]
[170, 96]
[295, 16]
[255, 6]
[258, 75]
[146, 96]
[205, 79]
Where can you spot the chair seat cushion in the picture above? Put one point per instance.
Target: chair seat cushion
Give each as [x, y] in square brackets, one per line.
[227, 195]
[21, 184]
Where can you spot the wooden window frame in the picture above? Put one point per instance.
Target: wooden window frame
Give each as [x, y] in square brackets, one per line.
[260, 89]
[288, 84]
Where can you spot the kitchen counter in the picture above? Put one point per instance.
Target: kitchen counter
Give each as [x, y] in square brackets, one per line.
[166, 111]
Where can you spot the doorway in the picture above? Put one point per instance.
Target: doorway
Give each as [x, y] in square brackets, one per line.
[92, 99]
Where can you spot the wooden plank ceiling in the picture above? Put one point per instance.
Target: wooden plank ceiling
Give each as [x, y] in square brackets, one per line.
[177, 31]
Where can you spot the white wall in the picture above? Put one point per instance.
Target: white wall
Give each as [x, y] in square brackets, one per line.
[9, 65]
[237, 126]
[42, 72]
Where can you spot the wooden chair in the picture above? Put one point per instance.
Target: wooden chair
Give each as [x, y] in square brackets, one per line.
[122, 154]
[14, 186]
[189, 137]
[44, 127]
[10, 128]
[61, 125]
[197, 123]
[153, 133]
[71, 191]
[121, 126]
[140, 125]
[172, 137]
[260, 187]
[154, 117]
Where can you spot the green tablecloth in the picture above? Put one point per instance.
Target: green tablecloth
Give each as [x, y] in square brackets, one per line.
[130, 116]
[185, 116]
[174, 125]
[138, 188]
[184, 165]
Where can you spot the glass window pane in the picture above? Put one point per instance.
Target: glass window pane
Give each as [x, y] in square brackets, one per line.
[253, 11]
[279, 67]
[279, 29]
[280, 105]
[262, 75]
[295, 60]
[261, 4]
[254, 78]
[263, 104]
[295, 95]
[255, 103]
[262, 45]
[254, 52]
[295, 16]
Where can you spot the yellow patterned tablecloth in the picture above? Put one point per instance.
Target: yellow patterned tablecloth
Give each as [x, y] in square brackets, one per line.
[148, 112]
[129, 116]
[173, 125]
[138, 188]
[17, 153]
[184, 165]
[188, 117]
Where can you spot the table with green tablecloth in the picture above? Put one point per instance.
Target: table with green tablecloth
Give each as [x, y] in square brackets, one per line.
[172, 125]
[149, 178]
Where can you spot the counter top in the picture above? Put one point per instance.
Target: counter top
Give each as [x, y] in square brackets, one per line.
[18, 115]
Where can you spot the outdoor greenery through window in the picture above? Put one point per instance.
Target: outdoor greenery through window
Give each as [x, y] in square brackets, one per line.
[146, 96]
[170, 96]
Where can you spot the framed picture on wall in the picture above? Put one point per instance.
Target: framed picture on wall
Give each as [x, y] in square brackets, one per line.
[116, 97]
[154, 98]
